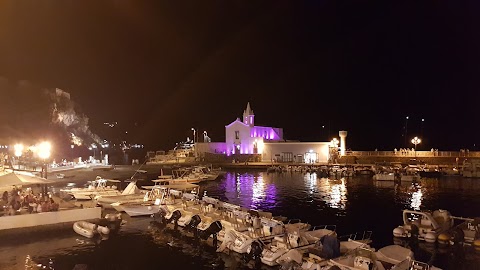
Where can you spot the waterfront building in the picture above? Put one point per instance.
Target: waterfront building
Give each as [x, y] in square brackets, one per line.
[243, 137]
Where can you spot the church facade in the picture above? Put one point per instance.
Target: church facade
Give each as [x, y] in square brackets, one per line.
[243, 137]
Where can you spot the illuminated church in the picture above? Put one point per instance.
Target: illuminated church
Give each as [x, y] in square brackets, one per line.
[243, 137]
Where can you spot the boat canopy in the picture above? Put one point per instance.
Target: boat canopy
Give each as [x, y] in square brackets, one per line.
[16, 178]
[425, 218]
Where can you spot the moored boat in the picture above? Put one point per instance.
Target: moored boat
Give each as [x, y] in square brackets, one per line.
[424, 225]
[89, 229]
[97, 187]
[297, 240]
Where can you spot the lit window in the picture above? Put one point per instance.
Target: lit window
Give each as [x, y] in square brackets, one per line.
[237, 134]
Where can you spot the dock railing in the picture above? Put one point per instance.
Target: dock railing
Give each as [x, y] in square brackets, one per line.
[412, 153]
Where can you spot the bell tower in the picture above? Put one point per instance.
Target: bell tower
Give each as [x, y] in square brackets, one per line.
[248, 116]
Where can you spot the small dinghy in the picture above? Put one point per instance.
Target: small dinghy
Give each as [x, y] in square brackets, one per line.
[89, 230]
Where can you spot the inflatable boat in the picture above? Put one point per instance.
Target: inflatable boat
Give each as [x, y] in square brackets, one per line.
[89, 230]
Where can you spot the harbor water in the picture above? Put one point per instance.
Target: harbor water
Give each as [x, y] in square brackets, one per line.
[352, 204]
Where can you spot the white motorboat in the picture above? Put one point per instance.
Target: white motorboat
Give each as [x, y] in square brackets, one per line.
[471, 169]
[424, 225]
[205, 173]
[385, 176]
[89, 230]
[142, 209]
[388, 258]
[186, 176]
[130, 194]
[326, 248]
[298, 240]
[359, 259]
[393, 254]
[263, 228]
[159, 195]
[95, 188]
[178, 214]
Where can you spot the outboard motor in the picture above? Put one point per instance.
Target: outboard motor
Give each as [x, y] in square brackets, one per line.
[255, 253]
[112, 222]
[213, 230]
[192, 225]
[160, 215]
[458, 236]
[330, 247]
[176, 215]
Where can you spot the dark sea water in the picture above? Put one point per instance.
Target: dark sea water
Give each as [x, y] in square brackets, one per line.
[353, 204]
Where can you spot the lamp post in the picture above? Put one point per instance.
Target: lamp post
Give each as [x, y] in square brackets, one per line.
[416, 141]
[333, 149]
[194, 135]
[93, 148]
[421, 128]
[205, 136]
[406, 130]
[18, 152]
[44, 151]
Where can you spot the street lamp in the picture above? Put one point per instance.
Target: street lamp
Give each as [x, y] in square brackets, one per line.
[43, 151]
[194, 135]
[205, 136]
[334, 142]
[18, 148]
[333, 149]
[406, 130]
[94, 148]
[421, 131]
[416, 141]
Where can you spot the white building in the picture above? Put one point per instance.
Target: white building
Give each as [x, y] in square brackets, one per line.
[244, 138]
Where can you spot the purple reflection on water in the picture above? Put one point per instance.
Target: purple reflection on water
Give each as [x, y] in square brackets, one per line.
[250, 191]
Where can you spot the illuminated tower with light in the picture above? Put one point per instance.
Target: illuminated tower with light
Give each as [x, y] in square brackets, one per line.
[343, 137]
[248, 116]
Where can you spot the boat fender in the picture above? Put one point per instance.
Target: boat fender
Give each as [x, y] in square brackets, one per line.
[399, 232]
[444, 238]
[430, 237]
[476, 244]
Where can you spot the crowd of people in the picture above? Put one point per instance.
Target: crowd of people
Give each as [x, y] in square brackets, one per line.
[12, 203]
[410, 152]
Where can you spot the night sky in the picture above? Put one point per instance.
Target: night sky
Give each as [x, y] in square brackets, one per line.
[163, 67]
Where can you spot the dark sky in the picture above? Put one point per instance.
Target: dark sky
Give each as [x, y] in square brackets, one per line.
[362, 66]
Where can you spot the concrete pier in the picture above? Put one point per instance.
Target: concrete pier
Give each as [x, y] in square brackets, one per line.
[29, 222]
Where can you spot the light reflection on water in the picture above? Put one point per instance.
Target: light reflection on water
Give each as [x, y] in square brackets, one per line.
[416, 199]
[250, 191]
[332, 192]
[266, 191]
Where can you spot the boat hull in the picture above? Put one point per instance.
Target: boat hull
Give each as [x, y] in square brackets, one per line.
[141, 209]
[89, 229]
